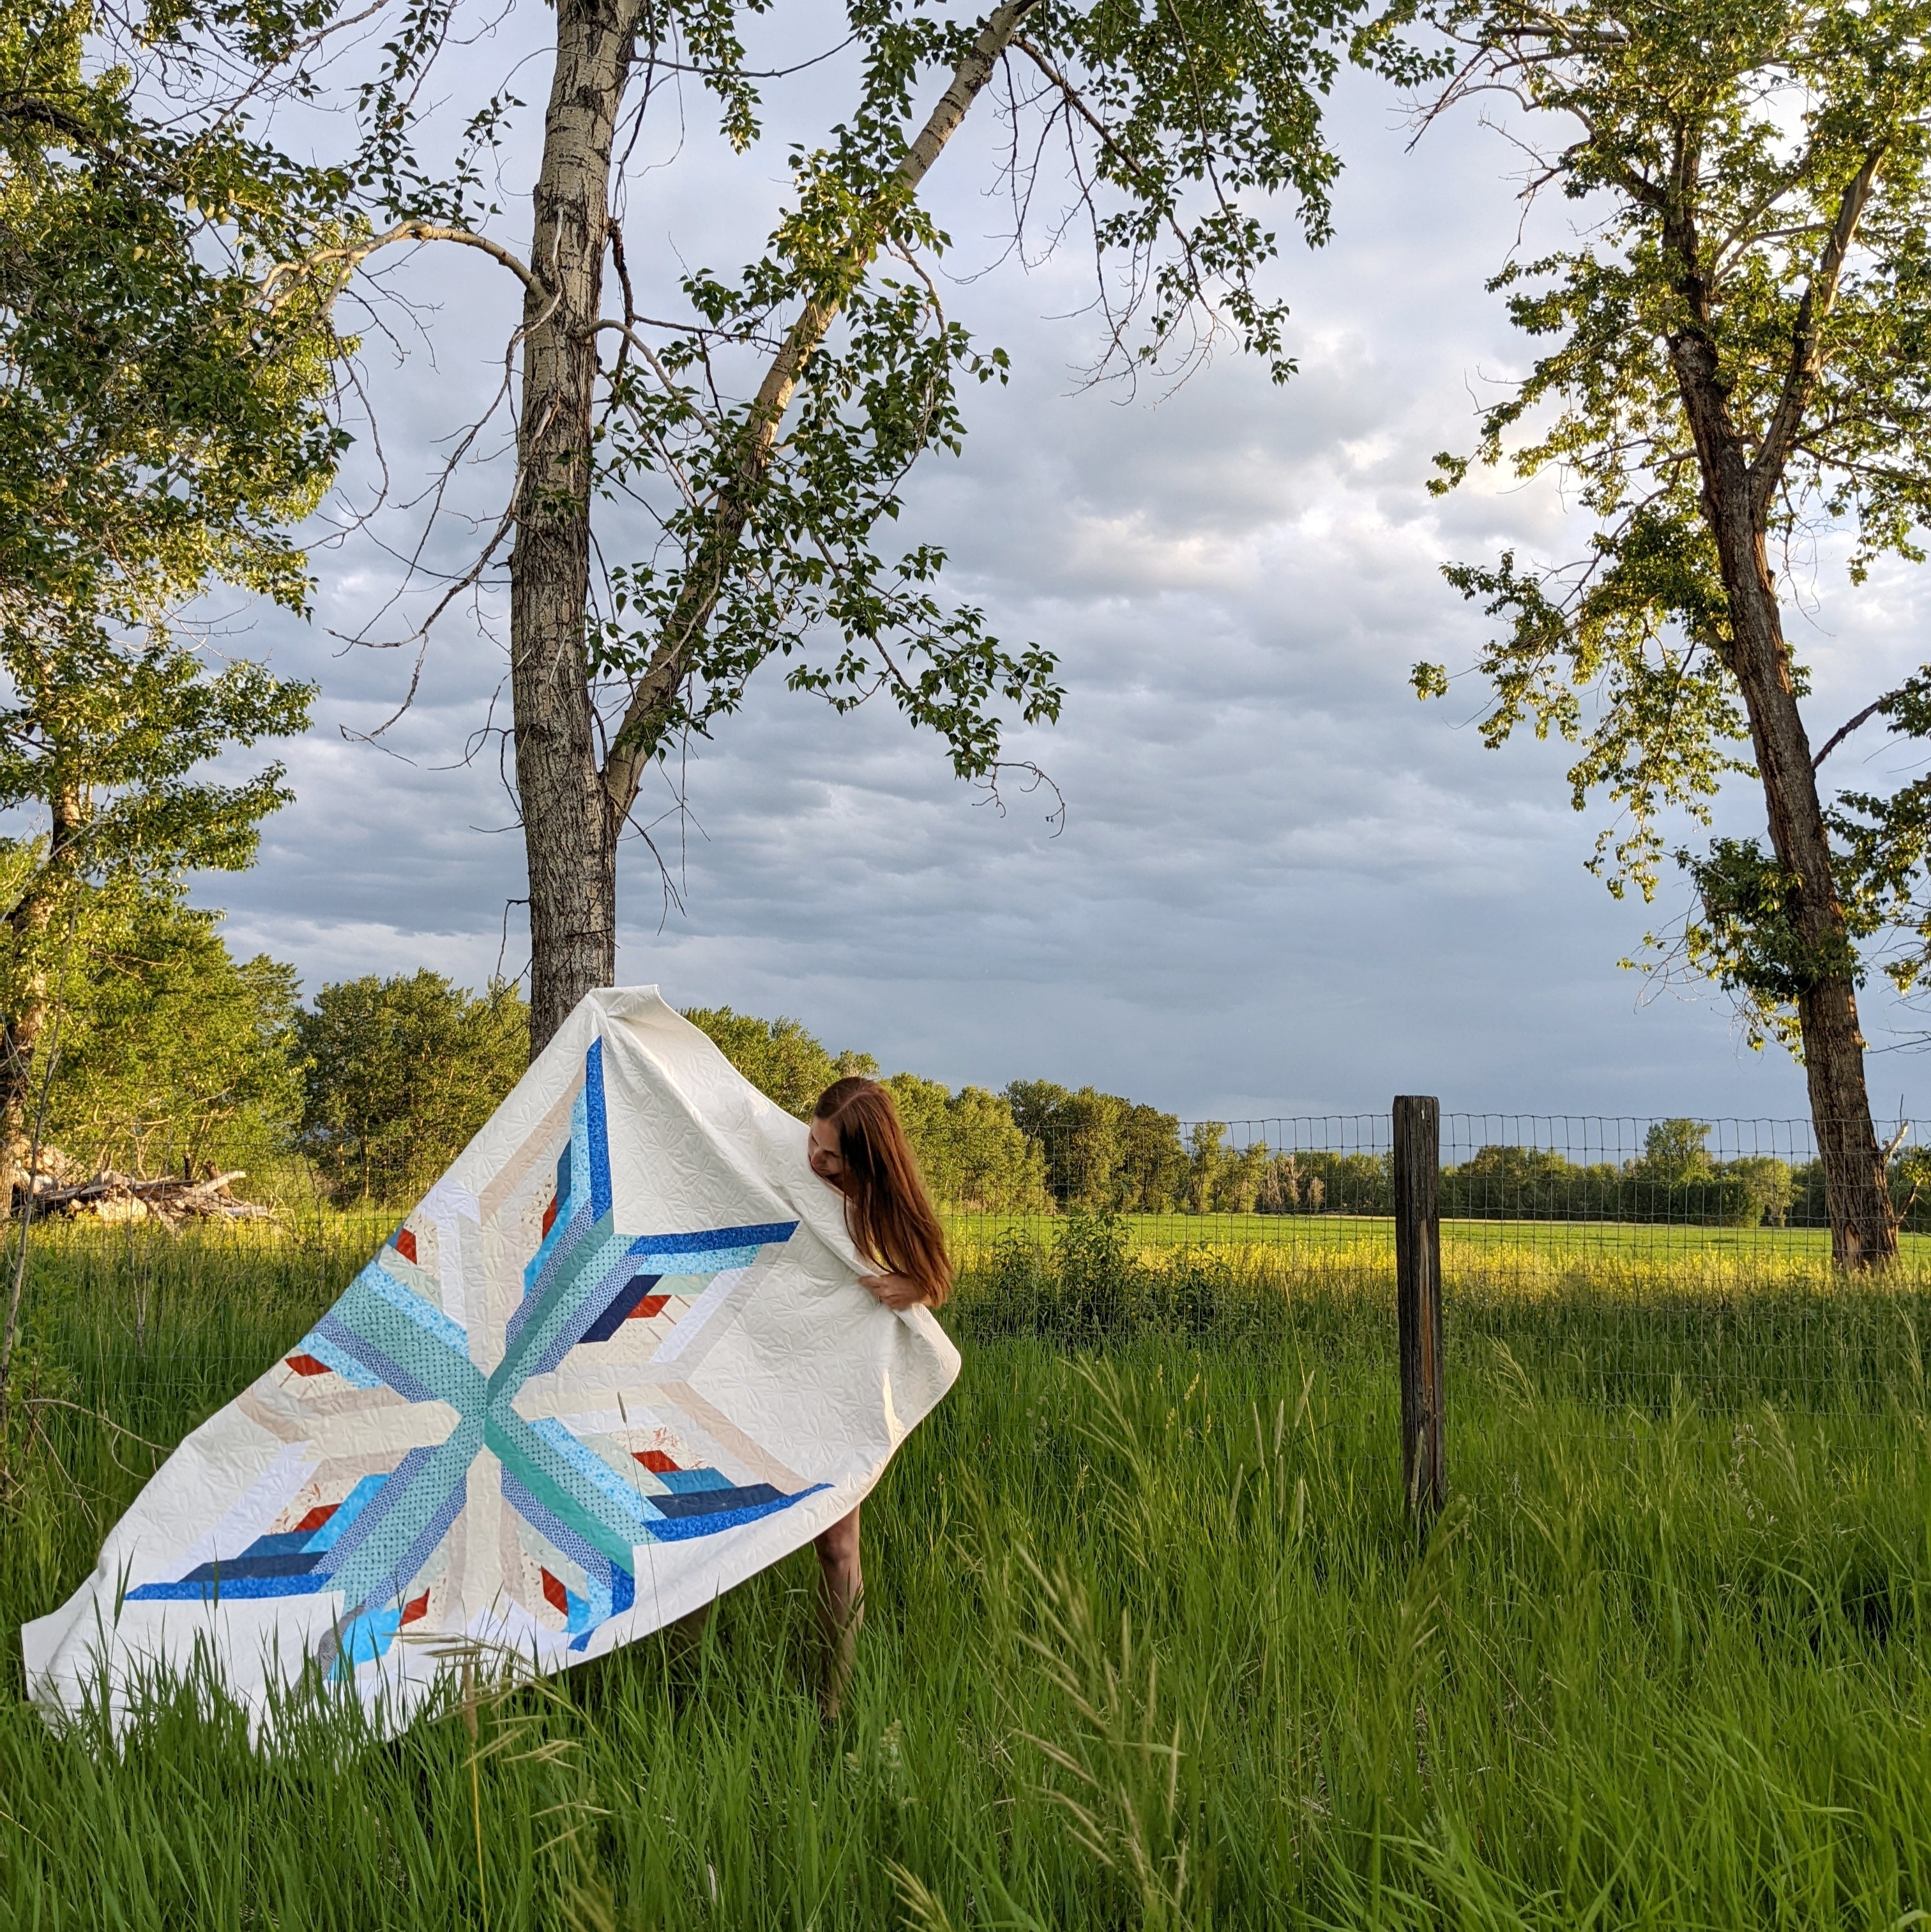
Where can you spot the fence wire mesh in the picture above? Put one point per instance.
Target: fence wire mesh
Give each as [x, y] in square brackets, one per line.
[1627, 1267]
[1631, 1266]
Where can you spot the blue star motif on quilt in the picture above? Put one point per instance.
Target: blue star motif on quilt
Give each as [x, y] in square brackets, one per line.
[584, 1499]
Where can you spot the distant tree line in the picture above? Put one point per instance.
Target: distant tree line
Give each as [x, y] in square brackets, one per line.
[169, 1055]
[1675, 1178]
[173, 1056]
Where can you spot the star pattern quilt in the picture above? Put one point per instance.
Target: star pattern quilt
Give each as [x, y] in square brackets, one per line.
[616, 1361]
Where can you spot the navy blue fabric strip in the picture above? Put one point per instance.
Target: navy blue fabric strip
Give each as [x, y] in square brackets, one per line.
[294, 1564]
[715, 1502]
[614, 1317]
[713, 1238]
[682, 1531]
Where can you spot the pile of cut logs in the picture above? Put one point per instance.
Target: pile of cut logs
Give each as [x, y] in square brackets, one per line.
[109, 1196]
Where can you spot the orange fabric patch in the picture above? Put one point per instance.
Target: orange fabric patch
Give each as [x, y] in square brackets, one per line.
[406, 1244]
[416, 1608]
[555, 1595]
[316, 1518]
[654, 1460]
[307, 1365]
[651, 1304]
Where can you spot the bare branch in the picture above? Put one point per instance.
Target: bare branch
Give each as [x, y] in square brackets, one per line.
[652, 694]
[1806, 357]
[351, 256]
[1877, 706]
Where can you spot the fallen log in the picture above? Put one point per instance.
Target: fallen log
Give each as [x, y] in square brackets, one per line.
[109, 1196]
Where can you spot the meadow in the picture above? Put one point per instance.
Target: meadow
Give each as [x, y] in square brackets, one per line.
[1363, 1236]
[1150, 1640]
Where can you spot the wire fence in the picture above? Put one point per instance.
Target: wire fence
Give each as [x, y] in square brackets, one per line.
[1629, 1266]
[1625, 1268]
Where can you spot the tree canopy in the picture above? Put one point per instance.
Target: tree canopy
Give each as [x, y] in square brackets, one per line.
[777, 1057]
[398, 1074]
[163, 425]
[173, 1053]
[710, 460]
[1732, 358]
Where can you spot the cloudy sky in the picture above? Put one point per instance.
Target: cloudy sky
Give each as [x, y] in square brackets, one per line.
[1281, 885]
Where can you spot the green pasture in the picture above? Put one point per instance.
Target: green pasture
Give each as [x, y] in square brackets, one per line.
[1367, 1235]
[1150, 1641]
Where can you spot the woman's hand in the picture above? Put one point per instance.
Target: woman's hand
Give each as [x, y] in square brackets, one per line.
[895, 1290]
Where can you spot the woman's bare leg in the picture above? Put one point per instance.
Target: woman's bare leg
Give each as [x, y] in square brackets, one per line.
[840, 1606]
[686, 1633]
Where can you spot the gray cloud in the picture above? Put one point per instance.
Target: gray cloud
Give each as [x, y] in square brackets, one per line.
[1281, 885]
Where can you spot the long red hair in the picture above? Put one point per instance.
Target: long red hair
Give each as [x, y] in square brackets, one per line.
[887, 1209]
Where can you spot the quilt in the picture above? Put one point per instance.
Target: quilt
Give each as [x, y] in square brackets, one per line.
[616, 1361]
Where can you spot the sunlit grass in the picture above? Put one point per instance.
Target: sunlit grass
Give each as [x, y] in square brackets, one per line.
[1356, 1235]
[1149, 1640]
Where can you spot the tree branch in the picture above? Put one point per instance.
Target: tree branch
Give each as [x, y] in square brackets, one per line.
[636, 735]
[353, 255]
[1864, 717]
[1807, 360]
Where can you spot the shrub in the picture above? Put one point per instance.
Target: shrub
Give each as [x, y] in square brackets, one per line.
[399, 1074]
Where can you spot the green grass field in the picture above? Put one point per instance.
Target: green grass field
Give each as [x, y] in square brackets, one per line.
[1150, 1642]
[1348, 1234]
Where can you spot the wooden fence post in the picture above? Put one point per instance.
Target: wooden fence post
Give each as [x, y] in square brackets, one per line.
[1417, 1179]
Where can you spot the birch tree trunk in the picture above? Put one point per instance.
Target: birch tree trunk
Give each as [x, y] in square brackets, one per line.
[569, 825]
[640, 734]
[572, 809]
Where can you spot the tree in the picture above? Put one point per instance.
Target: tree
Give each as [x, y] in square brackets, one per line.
[1675, 1153]
[1767, 1185]
[162, 425]
[1153, 1164]
[399, 1074]
[1735, 352]
[969, 1149]
[765, 430]
[1210, 1163]
[778, 1058]
[174, 1054]
[1221, 1180]
[1103, 1152]
[1080, 1136]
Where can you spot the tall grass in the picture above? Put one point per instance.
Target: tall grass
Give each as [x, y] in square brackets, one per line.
[1150, 1642]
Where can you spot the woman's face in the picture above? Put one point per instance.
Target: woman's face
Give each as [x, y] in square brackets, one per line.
[827, 1163]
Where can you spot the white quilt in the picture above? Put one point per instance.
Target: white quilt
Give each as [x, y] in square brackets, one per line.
[616, 1361]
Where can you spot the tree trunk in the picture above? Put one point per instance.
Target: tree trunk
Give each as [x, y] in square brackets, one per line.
[572, 812]
[569, 828]
[1864, 1230]
[31, 1003]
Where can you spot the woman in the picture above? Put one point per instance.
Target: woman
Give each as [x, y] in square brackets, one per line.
[858, 1147]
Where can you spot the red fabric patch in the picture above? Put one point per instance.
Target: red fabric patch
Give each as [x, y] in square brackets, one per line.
[416, 1608]
[307, 1365]
[651, 1304]
[316, 1518]
[550, 1214]
[654, 1460]
[406, 1244]
[554, 1593]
